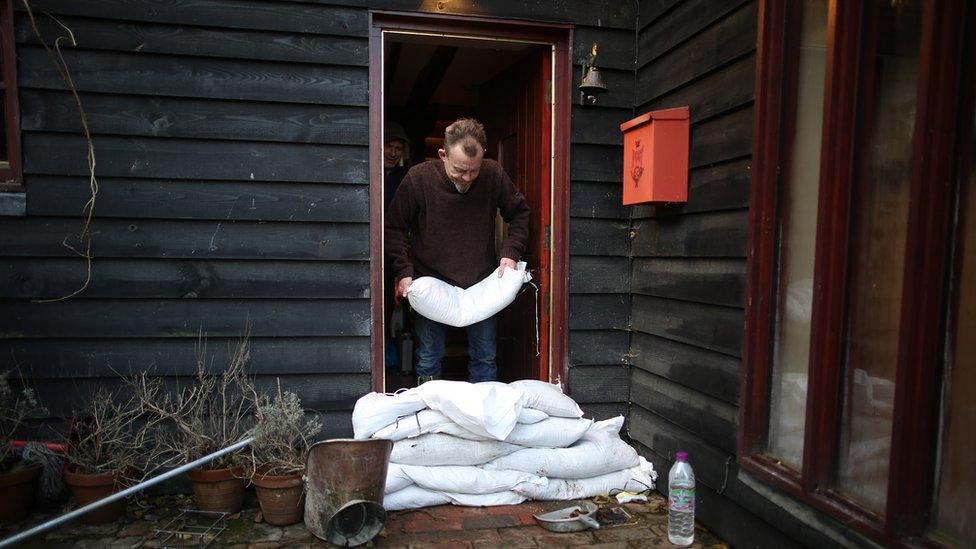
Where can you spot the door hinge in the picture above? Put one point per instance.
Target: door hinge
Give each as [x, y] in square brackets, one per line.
[549, 91]
[547, 238]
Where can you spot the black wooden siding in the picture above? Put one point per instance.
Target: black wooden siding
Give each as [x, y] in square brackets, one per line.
[231, 142]
[599, 286]
[231, 150]
[688, 275]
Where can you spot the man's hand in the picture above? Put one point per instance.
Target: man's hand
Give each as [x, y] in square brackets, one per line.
[505, 262]
[404, 286]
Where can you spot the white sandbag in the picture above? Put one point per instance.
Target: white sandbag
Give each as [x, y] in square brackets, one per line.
[415, 497]
[635, 479]
[487, 409]
[485, 500]
[462, 479]
[437, 449]
[555, 432]
[587, 458]
[413, 425]
[528, 416]
[455, 430]
[396, 479]
[606, 428]
[423, 422]
[447, 304]
[547, 397]
[375, 411]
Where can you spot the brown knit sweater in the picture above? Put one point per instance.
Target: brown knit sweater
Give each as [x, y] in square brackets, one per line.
[434, 230]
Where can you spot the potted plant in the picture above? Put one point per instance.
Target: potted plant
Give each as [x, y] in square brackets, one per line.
[209, 414]
[18, 479]
[105, 451]
[281, 432]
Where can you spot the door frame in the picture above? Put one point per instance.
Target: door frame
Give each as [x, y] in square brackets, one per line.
[560, 38]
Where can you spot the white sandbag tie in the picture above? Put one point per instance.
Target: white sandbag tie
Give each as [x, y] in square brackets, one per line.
[419, 423]
[375, 411]
[451, 305]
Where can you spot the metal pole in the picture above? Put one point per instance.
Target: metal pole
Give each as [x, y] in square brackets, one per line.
[119, 495]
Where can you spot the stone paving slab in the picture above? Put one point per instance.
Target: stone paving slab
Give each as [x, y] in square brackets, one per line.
[443, 526]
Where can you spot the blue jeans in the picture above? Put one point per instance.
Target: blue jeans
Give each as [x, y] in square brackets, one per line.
[481, 348]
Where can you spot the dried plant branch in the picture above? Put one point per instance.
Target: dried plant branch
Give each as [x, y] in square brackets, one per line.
[112, 435]
[211, 413]
[84, 237]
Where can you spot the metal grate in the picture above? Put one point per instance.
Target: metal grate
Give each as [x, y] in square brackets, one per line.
[190, 528]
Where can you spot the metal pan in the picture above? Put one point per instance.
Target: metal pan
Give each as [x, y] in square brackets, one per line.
[563, 521]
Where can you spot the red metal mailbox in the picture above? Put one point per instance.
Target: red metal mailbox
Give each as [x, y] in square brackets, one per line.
[656, 157]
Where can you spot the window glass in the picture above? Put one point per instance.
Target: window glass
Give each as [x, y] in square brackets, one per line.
[877, 256]
[957, 479]
[801, 184]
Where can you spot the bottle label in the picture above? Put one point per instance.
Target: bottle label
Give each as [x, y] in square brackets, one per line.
[681, 499]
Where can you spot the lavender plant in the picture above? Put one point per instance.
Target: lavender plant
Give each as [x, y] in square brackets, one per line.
[282, 433]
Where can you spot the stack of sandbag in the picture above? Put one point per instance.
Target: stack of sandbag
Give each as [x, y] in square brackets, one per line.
[496, 444]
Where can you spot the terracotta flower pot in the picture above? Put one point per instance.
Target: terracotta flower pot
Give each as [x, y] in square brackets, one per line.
[282, 497]
[93, 487]
[18, 489]
[218, 490]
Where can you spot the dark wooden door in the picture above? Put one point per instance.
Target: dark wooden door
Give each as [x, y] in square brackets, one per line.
[517, 114]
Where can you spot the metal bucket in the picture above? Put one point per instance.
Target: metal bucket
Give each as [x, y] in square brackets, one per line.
[344, 484]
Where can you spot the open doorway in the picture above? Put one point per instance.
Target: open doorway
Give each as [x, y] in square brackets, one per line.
[429, 80]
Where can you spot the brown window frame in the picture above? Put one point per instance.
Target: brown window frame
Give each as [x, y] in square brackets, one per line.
[11, 175]
[939, 129]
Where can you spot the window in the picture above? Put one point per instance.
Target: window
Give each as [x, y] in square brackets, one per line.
[861, 270]
[955, 497]
[10, 169]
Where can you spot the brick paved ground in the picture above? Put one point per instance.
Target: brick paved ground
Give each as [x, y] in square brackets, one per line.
[443, 526]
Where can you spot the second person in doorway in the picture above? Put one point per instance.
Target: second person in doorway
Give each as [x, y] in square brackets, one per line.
[441, 224]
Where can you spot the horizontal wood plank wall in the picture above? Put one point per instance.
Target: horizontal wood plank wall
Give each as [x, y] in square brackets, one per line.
[599, 226]
[688, 274]
[231, 140]
[231, 148]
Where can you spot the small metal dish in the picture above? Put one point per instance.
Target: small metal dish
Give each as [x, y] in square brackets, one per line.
[563, 521]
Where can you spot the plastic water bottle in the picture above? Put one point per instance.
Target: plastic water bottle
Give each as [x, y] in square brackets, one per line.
[681, 501]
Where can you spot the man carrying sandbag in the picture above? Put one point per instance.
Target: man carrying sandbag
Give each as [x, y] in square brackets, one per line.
[441, 224]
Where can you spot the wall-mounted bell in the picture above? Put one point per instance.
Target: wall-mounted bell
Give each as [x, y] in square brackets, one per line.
[591, 85]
